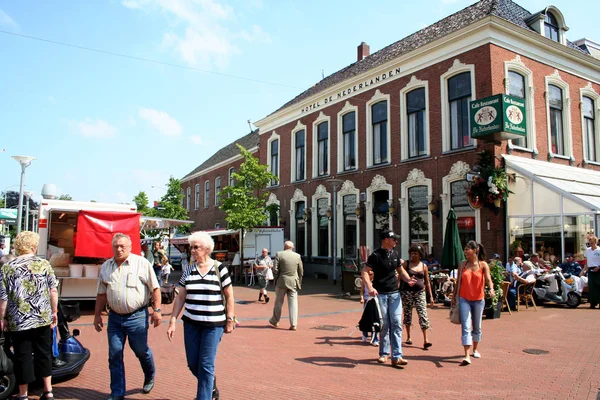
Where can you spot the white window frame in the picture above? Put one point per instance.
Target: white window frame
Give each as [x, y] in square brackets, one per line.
[217, 191]
[517, 66]
[206, 193]
[377, 97]
[588, 91]
[299, 197]
[274, 136]
[556, 80]
[299, 126]
[410, 86]
[188, 198]
[348, 108]
[315, 147]
[416, 177]
[320, 193]
[456, 68]
[197, 196]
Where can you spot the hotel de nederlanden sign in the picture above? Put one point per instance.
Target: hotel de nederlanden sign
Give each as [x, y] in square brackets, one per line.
[498, 117]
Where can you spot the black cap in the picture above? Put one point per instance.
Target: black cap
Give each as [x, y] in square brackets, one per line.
[389, 234]
[568, 255]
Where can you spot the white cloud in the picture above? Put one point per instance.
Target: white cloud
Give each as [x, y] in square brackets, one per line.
[196, 139]
[93, 128]
[131, 121]
[6, 20]
[51, 99]
[203, 32]
[256, 34]
[162, 121]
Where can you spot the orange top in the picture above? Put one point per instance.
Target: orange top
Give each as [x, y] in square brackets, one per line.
[472, 284]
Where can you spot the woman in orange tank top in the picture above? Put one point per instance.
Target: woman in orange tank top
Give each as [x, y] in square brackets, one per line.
[473, 274]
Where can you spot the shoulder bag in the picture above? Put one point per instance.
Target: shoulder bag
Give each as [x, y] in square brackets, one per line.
[222, 292]
[455, 309]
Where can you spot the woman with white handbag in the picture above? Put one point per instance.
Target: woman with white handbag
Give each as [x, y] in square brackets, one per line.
[473, 275]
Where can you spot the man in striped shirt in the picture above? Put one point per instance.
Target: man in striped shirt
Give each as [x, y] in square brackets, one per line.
[126, 283]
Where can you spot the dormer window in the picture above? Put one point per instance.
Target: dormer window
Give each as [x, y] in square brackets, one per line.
[551, 27]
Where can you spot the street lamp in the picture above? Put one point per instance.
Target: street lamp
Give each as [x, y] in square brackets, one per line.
[27, 195]
[335, 184]
[25, 162]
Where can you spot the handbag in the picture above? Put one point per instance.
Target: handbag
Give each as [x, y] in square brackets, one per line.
[6, 364]
[270, 276]
[455, 309]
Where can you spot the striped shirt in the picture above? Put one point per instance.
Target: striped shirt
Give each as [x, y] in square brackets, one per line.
[203, 302]
[129, 287]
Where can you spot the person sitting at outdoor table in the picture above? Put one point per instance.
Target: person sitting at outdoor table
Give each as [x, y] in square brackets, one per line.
[432, 263]
[570, 266]
[538, 264]
[515, 268]
[496, 258]
[527, 276]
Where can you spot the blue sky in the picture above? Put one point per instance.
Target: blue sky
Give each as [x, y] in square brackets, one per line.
[105, 127]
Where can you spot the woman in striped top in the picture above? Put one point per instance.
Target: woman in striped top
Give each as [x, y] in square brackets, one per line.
[206, 313]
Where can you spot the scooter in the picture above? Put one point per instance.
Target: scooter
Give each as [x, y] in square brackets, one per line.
[71, 359]
[557, 287]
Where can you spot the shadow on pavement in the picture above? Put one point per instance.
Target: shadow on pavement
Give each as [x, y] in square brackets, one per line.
[77, 393]
[336, 362]
[437, 360]
[340, 340]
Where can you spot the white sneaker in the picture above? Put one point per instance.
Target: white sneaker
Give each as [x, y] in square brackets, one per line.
[364, 339]
[476, 354]
[375, 343]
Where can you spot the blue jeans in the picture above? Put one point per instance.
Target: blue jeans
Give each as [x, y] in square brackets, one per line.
[134, 326]
[471, 313]
[158, 273]
[511, 297]
[391, 331]
[201, 345]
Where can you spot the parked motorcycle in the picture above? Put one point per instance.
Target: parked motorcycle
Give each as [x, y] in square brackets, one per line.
[72, 356]
[557, 287]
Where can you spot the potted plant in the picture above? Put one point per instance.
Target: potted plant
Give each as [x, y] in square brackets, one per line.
[490, 188]
[493, 305]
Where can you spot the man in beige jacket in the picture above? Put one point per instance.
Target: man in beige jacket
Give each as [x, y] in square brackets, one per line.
[288, 271]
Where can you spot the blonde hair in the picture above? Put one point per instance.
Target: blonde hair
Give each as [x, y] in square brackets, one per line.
[26, 242]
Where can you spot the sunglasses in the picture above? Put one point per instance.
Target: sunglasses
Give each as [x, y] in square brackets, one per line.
[196, 247]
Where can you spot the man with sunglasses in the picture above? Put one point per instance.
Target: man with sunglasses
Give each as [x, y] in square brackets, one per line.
[385, 263]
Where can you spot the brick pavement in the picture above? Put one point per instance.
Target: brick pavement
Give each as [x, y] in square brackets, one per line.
[259, 362]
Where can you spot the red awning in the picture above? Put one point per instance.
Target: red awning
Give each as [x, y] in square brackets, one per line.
[95, 230]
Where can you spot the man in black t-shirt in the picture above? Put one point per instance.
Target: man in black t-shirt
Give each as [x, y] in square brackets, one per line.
[385, 263]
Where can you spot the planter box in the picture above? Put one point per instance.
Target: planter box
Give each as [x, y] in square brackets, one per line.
[491, 313]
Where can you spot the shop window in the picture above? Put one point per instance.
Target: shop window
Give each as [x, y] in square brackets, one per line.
[300, 243]
[350, 225]
[381, 216]
[322, 228]
[415, 116]
[418, 210]
[349, 140]
[459, 96]
[464, 213]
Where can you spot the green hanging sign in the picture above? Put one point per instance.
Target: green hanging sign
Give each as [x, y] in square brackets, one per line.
[498, 117]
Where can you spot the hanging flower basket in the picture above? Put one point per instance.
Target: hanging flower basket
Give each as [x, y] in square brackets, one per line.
[490, 188]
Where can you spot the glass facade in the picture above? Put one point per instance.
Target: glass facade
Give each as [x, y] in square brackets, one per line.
[322, 228]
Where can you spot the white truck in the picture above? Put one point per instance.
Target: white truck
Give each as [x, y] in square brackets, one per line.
[84, 231]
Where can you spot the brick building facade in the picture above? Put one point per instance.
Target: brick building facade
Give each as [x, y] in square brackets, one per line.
[392, 131]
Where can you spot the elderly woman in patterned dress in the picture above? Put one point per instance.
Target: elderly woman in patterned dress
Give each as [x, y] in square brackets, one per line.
[29, 301]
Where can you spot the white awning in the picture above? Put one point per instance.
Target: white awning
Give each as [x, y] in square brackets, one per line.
[579, 185]
[211, 232]
[149, 223]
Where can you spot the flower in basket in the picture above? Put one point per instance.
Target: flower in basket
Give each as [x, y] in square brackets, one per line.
[491, 186]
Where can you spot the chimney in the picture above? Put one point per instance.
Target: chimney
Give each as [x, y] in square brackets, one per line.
[362, 51]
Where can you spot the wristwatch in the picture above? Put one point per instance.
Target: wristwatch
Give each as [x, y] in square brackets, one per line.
[156, 309]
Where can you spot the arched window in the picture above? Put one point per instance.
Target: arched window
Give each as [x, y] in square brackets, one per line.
[551, 27]
[459, 96]
[415, 115]
[516, 88]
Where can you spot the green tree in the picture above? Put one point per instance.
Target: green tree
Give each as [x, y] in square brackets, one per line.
[65, 197]
[141, 201]
[245, 201]
[170, 206]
